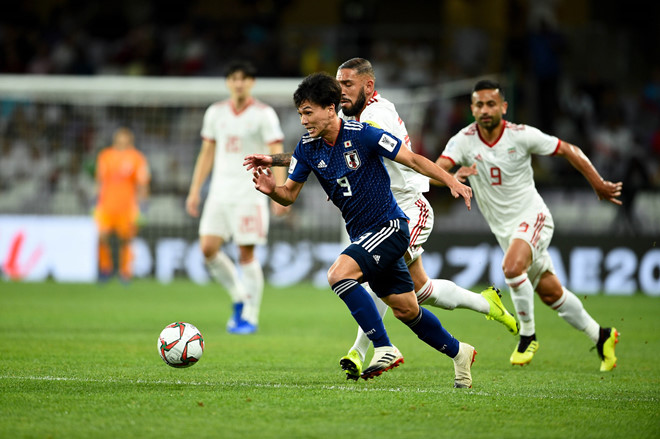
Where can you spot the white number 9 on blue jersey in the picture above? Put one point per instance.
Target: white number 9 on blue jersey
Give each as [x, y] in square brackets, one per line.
[343, 182]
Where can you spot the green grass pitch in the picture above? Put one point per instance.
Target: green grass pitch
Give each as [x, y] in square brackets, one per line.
[80, 361]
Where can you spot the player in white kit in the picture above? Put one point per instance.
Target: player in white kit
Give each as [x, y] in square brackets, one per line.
[231, 129]
[496, 155]
[360, 101]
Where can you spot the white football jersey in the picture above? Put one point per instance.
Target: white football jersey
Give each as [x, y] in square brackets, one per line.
[406, 184]
[504, 187]
[237, 134]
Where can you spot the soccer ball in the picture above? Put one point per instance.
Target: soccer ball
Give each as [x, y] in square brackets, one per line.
[180, 344]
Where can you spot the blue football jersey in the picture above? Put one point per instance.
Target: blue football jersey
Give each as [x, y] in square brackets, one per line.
[352, 173]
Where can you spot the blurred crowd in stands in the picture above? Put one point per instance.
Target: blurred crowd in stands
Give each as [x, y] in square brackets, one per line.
[585, 71]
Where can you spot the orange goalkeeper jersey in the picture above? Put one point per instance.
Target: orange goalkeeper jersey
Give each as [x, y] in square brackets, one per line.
[118, 173]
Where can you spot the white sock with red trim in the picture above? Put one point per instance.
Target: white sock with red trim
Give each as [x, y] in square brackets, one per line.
[522, 295]
[570, 308]
[446, 294]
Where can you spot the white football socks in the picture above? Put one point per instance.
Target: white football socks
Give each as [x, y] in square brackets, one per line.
[522, 295]
[362, 341]
[223, 270]
[570, 308]
[253, 281]
[446, 294]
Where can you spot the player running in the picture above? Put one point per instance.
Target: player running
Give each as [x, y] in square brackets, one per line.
[346, 159]
[361, 102]
[497, 154]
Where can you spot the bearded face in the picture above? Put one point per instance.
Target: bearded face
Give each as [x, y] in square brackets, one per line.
[488, 108]
[353, 107]
[489, 121]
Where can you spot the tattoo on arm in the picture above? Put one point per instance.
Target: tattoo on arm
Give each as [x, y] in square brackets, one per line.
[282, 159]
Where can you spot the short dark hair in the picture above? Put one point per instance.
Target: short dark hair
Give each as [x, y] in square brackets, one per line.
[248, 69]
[318, 88]
[360, 65]
[487, 84]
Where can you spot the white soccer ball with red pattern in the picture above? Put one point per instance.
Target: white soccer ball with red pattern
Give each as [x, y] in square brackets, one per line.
[180, 344]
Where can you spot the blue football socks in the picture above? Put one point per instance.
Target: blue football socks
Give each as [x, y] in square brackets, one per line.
[429, 329]
[363, 310]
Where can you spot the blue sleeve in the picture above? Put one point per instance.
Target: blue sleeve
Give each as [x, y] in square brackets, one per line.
[298, 169]
[381, 141]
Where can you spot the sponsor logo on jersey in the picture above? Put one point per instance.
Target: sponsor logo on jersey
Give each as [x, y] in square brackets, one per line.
[387, 142]
[292, 165]
[352, 159]
[478, 157]
[321, 165]
[348, 144]
[376, 258]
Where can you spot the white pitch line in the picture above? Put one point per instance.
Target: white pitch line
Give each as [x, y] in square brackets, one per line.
[211, 384]
[349, 388]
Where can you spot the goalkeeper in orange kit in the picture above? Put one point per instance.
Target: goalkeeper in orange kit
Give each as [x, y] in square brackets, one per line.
[122, 176]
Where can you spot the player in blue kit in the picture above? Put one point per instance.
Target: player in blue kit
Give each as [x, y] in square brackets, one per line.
[346, 157]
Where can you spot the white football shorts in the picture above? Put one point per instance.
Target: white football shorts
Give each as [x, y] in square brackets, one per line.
[246, 224]
[421, 224]
[536, 229]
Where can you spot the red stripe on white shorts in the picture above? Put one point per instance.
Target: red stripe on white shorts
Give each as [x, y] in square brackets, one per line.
[421, 222]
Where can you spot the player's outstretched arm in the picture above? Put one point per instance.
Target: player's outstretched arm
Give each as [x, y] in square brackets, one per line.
[426, 167]
[267, 160]
[264, 182]
[605, 190]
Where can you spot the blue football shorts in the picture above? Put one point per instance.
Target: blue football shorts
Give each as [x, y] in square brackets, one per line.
[379, 253]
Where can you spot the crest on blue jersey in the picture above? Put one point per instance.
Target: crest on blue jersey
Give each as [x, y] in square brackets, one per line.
[352, 159]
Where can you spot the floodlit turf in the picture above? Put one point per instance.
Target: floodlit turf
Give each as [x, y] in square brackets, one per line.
[80, 361]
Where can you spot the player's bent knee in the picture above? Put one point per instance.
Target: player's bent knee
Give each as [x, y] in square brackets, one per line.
[513, 271]
[336, 275]
[405, 314]
[344, 268]
[209, 252]
[549, 297]
[404, 306]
